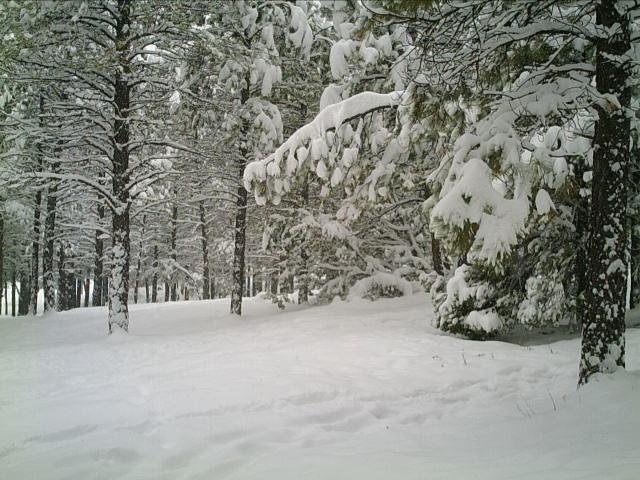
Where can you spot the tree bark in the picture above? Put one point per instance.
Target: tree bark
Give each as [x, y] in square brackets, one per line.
[24, 293]
[35, 246]
[3, 285]
[139, 262]
[154, 285]
[13, 292]
[174, 253]
[98, 270]
[49, 248]
[63, 287]
[121, 248]
[581, 223]
[206, 289]
[87, 287]
[603, 320]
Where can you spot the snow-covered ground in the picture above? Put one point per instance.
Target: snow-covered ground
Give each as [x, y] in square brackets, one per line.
[358, 390]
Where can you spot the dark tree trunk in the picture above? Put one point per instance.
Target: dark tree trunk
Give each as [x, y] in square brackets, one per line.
[154, 284]
[3, 287]
[206, 290]
[139, 262]
[48, 282]
[35, 254]
[6, 294]
[63, 284]
[121, 248]
[174, 253]
[35, 246]
[634, 231]
[436, 255]
[98, 271]
[146, 290]
[79, 283]
[581, 223]
[167, 290]
[87, 287]
[240, 231]
[24, 297]
[603, 319]
[13, 292]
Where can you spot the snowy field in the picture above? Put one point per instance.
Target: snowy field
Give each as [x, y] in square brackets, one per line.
[357, 390]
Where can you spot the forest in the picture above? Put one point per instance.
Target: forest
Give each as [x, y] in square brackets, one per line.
[469, 167]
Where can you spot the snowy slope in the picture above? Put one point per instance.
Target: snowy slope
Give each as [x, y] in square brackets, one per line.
[354, 390]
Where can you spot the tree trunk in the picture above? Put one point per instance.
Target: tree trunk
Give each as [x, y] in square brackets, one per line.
[167, 289]
[24, 297]
[581, 223]
[121, 248]
[139, 262]
[240, 231]
[3, 286]
[35, 246]
[87, 287]
[146, 290]
[603, 320]
[206, 289]
[35, 254]
[48, 283]
[63, 286]
[98, 271]
[79, 284]
[13, 292]
[174, 235]
[436, 255]
[154, 285]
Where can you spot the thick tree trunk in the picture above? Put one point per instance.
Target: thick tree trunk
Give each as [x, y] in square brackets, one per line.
[206, 290]
[48, 254]
[62, 285]
[3, 285]
[239, 249]
[581, 223]
[634, 230]
[121, 248]
[603, 320]
[35, 254]
[35, 246]
[240, 231]
[87, 287]
[174, 235]
[167, 290]
[13, 292]
[23, 300]
[154, 284]
[139, 261]
[303, 278]
[98, 270]
[436, 255]
[79, 283]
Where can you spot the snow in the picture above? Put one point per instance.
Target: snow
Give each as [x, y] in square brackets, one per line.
[353, 390]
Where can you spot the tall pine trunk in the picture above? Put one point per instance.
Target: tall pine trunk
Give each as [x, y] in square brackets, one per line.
[174, 235]
[139, 261]
[35, 246]
[3, 286]
[48, 254]
[206, 290]
[121, 248]
[13, 292]
[63, 284]
[154, 284]
[98, 270]
[603, 320]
